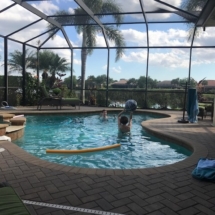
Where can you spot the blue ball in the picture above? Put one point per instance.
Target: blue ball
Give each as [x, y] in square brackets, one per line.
[131, 105]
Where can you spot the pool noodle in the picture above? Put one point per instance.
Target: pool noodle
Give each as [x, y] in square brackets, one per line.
[82, 150]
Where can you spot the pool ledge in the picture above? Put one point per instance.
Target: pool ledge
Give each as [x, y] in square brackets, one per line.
[166, 128]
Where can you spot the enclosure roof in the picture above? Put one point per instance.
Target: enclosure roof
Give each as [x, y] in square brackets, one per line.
[136, 12]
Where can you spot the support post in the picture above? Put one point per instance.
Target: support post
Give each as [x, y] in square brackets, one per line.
[214, 112]
[183, 120]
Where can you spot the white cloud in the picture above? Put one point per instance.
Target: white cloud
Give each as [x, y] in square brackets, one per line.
[15, 18]
[134, 5]
[174, 58]
[171, 37]
[116, 69]
[46, 7]
[139, 57]
[71, 10]
[134, 36]
[78, 62]
[104, 67]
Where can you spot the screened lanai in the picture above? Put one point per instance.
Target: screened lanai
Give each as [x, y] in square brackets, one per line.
[111, 50]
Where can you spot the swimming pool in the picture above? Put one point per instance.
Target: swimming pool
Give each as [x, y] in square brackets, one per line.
[138, 148]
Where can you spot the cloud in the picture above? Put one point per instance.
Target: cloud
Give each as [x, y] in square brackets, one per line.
[104, 67]
[15, 18]
[46, 7]
[135, 37]
[150, 6]
[173, 58]
[78, 62]
[71, 10]
[116, 69]
[170, 37]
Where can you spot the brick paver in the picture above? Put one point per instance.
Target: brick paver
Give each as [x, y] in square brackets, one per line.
[165, 190]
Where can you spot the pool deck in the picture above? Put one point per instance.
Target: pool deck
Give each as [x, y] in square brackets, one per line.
[167, 190]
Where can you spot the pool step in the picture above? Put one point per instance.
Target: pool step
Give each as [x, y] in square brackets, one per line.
[3, 129]
[12, 125]
[6, 116]
[18, 121]
[15, 131]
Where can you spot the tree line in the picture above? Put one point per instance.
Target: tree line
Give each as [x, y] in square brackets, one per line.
[93, 82]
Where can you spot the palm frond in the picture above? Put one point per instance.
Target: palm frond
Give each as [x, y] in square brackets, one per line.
[115, 35]
[15, 61]
[63, 17]
[90, 32]
[111, 7]
[192, 6]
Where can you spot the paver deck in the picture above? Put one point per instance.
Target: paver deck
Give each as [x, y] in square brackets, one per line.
[165, 190]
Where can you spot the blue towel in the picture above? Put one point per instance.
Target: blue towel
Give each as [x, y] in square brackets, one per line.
[205, 170]
[206, 163]
[192, 106]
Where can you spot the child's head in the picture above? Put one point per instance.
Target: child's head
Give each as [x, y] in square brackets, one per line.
[124, 120]
[104, 112]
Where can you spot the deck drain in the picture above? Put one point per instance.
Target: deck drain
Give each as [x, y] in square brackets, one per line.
[69, 208]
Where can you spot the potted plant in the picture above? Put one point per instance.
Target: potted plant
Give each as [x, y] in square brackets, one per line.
[56, 91]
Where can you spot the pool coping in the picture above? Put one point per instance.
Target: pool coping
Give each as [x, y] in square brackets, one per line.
[199, 150]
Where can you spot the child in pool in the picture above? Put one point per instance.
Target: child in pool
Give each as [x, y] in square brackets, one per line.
[104, 115]
[124, 124]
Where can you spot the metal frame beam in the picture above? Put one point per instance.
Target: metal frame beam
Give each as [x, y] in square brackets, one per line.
[206, 13]
[7, 7]
[38, 13]
[177, 9]
[66, 38]
[23, 74]
[147, 60]
[130, 23]
[132, 47]
[5, 69]
[44, 17]
[24, 27]
[48, 38]
[40, 35]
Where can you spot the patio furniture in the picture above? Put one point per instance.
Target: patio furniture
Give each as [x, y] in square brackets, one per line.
[57, 101]
[202, 112]
[209, 108]
[10, 202]
[209, 111]
[74, 102]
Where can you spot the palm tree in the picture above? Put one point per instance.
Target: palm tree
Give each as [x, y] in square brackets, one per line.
[51, 62]
[57, 65]
[192, 6]
[99, 7]
[15, 61]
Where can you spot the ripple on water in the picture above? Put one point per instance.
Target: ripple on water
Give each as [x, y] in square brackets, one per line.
[138, 149]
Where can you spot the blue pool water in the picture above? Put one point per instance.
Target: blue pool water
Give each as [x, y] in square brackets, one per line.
[138, 149]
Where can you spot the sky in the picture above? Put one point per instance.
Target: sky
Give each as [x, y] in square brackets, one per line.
[164, 64]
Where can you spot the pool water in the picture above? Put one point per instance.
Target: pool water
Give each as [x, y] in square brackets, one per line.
[138, 148]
